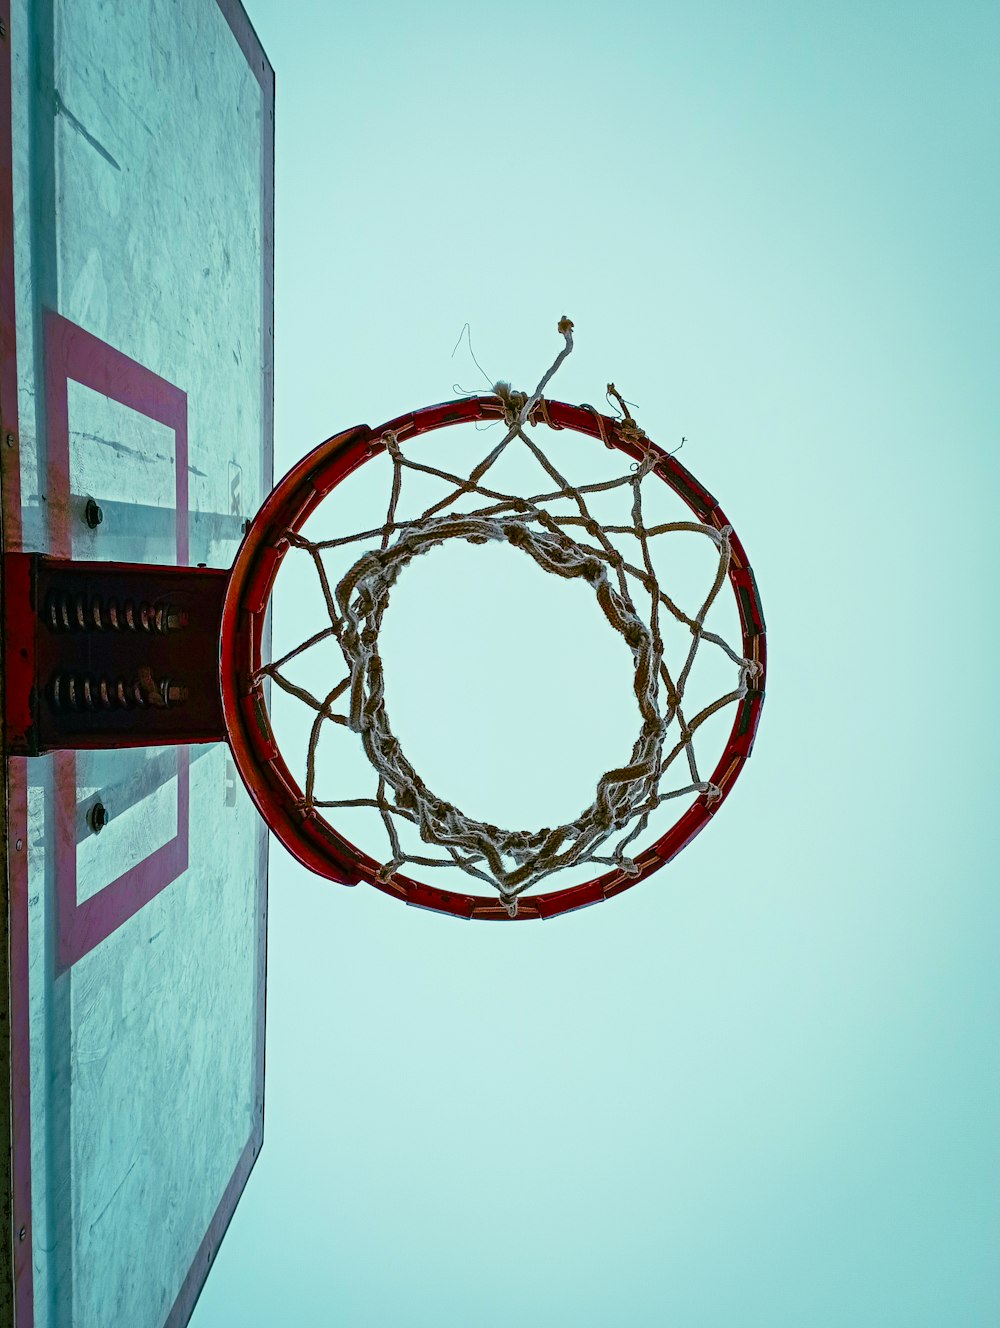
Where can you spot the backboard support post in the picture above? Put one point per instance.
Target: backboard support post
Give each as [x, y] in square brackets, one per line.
[103, 655]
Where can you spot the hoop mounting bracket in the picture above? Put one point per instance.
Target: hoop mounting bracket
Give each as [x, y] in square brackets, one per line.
[107, 655]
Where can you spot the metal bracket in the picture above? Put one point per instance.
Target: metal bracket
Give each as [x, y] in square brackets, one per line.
[107, 655]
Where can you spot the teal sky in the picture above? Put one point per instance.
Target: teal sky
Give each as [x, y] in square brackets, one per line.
[760, 1090]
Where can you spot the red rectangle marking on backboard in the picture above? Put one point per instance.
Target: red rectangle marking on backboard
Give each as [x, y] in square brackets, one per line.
[83, 925]
[72, 353]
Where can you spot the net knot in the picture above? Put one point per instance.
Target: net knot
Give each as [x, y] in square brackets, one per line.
[750, 671]
[391, 440]
[625, 864]
[632, 433]
[650, 457]
[539, 414]
[513, 402]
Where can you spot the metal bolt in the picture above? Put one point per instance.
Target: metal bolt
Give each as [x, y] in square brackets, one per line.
[98, 817]
[9, 440]
[22, 1233]
[246, 525]
[3, 30]
[175, 695]
[17, 844]
[93, 514]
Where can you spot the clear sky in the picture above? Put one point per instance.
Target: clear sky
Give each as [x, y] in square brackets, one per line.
[761, 1089]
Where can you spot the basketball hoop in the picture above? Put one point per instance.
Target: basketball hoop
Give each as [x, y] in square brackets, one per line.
[512, 862]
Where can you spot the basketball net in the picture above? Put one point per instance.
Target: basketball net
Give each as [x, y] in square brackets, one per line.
[572, 546]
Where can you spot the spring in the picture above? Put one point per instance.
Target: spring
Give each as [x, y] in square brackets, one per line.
[79, 693]
[66, 612]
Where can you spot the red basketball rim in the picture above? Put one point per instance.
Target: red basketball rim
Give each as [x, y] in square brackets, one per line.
[305, 833]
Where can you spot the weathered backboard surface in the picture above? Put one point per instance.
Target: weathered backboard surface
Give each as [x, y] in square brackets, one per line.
[135, 370]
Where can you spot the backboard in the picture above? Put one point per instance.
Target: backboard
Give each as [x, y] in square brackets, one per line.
[136, 190]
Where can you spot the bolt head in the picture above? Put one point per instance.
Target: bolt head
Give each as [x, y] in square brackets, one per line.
[98, 817]
[93, 514]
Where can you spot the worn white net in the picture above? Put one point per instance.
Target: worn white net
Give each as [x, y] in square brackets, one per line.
[557, 530]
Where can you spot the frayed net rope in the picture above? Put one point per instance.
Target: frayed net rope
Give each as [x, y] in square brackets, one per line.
[511, 861]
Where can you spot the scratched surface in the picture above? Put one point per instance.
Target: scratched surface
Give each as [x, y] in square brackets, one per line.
[139, 151]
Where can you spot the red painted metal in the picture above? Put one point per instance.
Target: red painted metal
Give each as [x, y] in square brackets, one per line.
[109, 655]
[308, 836]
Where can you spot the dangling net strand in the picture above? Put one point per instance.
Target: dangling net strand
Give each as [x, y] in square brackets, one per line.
[511, 862]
